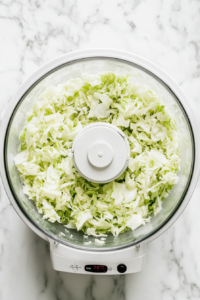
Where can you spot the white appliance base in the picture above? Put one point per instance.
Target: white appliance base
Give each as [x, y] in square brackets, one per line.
[125, 261]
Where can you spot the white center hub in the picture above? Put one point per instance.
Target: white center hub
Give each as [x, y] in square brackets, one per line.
[100, 152]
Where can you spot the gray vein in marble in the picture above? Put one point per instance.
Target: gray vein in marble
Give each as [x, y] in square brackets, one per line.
[190, 289]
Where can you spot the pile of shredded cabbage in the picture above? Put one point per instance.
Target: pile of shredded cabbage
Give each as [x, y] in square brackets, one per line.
[45, 160]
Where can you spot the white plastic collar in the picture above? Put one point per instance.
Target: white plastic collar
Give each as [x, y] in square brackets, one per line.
[101, 152]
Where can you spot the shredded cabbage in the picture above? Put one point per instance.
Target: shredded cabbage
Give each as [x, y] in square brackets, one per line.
[45, 160]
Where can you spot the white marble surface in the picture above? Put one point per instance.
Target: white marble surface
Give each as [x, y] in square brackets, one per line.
[167, 33]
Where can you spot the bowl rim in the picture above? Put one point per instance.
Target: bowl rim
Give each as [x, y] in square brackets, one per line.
[112, 54]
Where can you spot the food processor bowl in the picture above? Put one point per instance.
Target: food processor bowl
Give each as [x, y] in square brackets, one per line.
[71, 242]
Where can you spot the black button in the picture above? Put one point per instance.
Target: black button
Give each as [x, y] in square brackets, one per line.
[121, 268]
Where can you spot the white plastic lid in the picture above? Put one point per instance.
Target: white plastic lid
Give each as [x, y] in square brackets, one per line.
[100, 152]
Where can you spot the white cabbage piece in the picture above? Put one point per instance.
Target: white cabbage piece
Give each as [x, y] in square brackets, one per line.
[120, 121]
[87, 243]
[100, 110]
[21, 157]
[99, 242]
[134, 221]
[82, 218]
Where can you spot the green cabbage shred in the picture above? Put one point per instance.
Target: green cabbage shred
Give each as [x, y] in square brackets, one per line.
[45, 160]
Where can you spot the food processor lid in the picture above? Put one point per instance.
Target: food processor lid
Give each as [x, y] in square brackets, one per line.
[101, 152]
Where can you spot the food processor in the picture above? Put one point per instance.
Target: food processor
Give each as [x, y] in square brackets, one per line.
[125, 253]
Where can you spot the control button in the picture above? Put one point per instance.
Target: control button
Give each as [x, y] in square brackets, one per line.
[121, 268]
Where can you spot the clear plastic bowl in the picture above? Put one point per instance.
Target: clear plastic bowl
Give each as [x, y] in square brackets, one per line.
[75, 68]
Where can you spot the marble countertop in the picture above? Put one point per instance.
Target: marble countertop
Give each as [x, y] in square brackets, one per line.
[167, 33]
